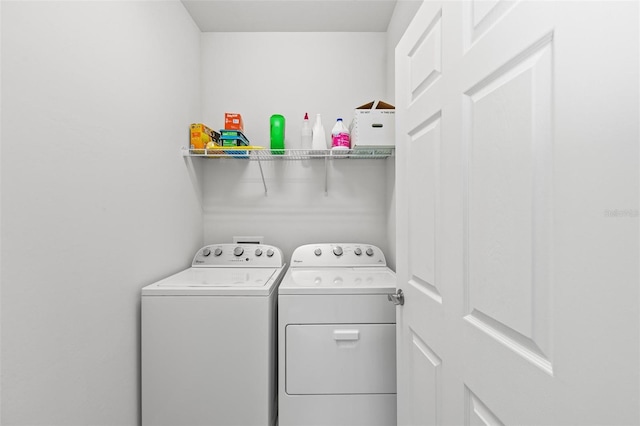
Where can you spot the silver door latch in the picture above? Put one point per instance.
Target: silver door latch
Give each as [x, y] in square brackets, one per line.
[397, 299]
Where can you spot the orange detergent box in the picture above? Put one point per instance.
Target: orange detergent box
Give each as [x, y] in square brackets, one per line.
[201, 135]
[233, 121]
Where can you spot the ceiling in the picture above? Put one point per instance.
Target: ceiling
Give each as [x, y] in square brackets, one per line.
[291, 15]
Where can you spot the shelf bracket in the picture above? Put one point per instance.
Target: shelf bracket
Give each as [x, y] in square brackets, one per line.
[264, 183]
[326, 172]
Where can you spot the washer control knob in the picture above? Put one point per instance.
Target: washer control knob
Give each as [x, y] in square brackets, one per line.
[258, 252]
[269, 252]
[337, 251]
[206, 252]
[358, 251]
[369, 251]
[238, 251]
[217, 251]
[317, 252]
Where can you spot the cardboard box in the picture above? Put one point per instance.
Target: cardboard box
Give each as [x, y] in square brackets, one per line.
[201, 135]
[233, 121]
[374, 126]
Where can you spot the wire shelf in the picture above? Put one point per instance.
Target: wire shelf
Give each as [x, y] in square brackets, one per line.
[260, 154]
[263, 154]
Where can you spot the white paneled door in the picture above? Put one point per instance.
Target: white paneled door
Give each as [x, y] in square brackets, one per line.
[517, 177]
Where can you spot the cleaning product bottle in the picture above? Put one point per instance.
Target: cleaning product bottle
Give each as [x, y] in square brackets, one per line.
[319, 136]
[277, 134]
[340, 137]
[306, 134]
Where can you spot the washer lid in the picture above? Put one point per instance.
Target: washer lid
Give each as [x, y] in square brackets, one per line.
[212, 281]
[375, 280]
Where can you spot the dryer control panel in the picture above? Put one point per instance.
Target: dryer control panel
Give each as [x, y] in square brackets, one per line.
[337, 255]
[244, 255]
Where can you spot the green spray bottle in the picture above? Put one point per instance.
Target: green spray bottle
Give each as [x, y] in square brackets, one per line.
[277, 134]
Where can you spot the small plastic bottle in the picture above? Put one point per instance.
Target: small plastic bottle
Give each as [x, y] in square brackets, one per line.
[319, 136]
[306, 134]
[340, 137]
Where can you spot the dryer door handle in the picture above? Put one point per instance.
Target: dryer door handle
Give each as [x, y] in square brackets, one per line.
[346, 335]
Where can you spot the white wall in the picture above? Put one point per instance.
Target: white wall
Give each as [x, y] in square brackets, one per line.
[96, 200]
[259, 74]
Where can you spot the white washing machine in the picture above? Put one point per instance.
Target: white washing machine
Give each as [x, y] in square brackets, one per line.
[209, 343]
[336, 338]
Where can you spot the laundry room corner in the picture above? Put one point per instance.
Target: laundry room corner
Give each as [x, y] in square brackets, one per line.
[315, 212]
[96, 202]
[267, 73]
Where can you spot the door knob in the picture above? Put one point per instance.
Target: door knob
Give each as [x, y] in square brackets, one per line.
[397, 299]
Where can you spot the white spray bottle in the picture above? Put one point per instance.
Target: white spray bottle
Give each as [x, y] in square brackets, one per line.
[319, 136]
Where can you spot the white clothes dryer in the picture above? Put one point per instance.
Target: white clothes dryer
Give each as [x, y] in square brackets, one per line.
[336, 338]
[209, 343]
